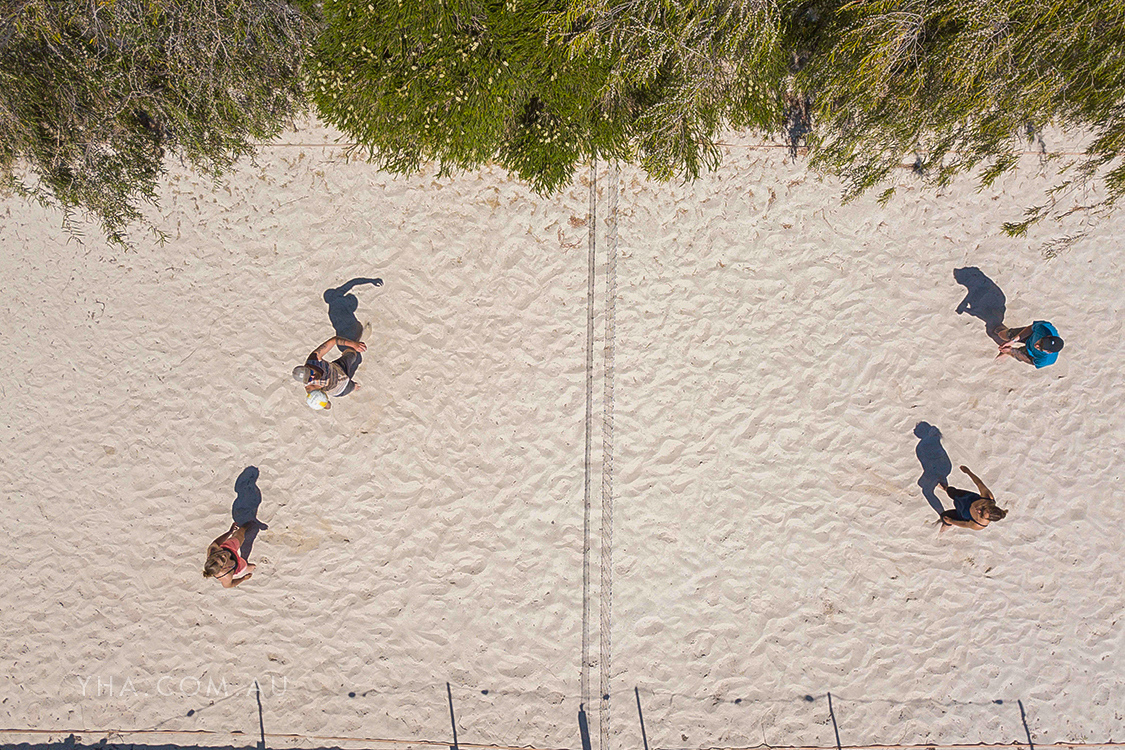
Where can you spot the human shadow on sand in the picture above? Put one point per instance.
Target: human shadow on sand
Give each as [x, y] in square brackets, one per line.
[342, 305]
[983, 299]
[935, 463]
[247, 498]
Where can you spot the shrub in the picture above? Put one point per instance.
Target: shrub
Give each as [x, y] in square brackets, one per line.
[686, 71]
[97, 93]
[962, 86]
[462, 84]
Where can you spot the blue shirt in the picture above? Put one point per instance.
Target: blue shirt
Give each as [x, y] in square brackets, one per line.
[1039, 358]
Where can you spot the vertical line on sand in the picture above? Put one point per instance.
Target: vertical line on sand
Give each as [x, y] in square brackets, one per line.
[452, 717]
[606, 589]
[835, 727]
[1026, 729]
[641, 717]
[592, 222]
[261, 722]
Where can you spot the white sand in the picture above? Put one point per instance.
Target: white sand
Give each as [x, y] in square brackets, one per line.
[775, 351]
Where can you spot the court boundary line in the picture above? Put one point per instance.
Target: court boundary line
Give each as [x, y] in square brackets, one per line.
[609, 352]
[434, 743]
[591, 217]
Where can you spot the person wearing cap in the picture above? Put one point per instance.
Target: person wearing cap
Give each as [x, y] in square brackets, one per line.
[331, 378]
[1040, 339]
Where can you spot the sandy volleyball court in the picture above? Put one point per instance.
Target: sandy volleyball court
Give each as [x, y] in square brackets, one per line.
[781, 361]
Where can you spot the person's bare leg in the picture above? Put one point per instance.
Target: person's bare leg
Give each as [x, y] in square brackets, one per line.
[1003, 332]
[1012, 335]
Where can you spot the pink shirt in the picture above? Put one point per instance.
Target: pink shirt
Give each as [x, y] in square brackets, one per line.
[233, 546]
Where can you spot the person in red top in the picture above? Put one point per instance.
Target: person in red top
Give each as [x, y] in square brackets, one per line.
[224, 562]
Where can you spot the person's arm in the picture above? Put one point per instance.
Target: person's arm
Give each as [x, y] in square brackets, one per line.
[234, 531]
[1022, 356]
[321, 351]
[984, 491]
[222, 538]
[1013, 336]
[359, 346]
[229, 582]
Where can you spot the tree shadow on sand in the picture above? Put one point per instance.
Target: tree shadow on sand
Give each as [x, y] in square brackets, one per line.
[984, 300]
[247, 498]
[935, 463]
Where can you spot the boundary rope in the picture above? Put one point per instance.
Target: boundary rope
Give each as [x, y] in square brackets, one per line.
[606, 593]
[592, 218]
[435, 743]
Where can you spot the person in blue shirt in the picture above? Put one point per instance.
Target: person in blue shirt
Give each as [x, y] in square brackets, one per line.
[1040, 339]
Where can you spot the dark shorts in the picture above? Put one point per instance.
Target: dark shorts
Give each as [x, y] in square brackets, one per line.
[349, 362]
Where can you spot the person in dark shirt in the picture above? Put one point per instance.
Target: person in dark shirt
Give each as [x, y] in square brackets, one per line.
[971, 510]
[332, 378]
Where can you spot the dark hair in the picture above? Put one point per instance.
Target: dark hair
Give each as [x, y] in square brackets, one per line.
[990, 510]
[1050, 344]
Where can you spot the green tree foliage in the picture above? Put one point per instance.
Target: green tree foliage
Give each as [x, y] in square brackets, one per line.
[961, 85]
[463, 83]
[954, 86]
[687, 71]
[540, 86]
[95, 93]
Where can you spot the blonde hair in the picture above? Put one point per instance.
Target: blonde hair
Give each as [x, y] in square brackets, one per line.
[216, 561]
[990, 510]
